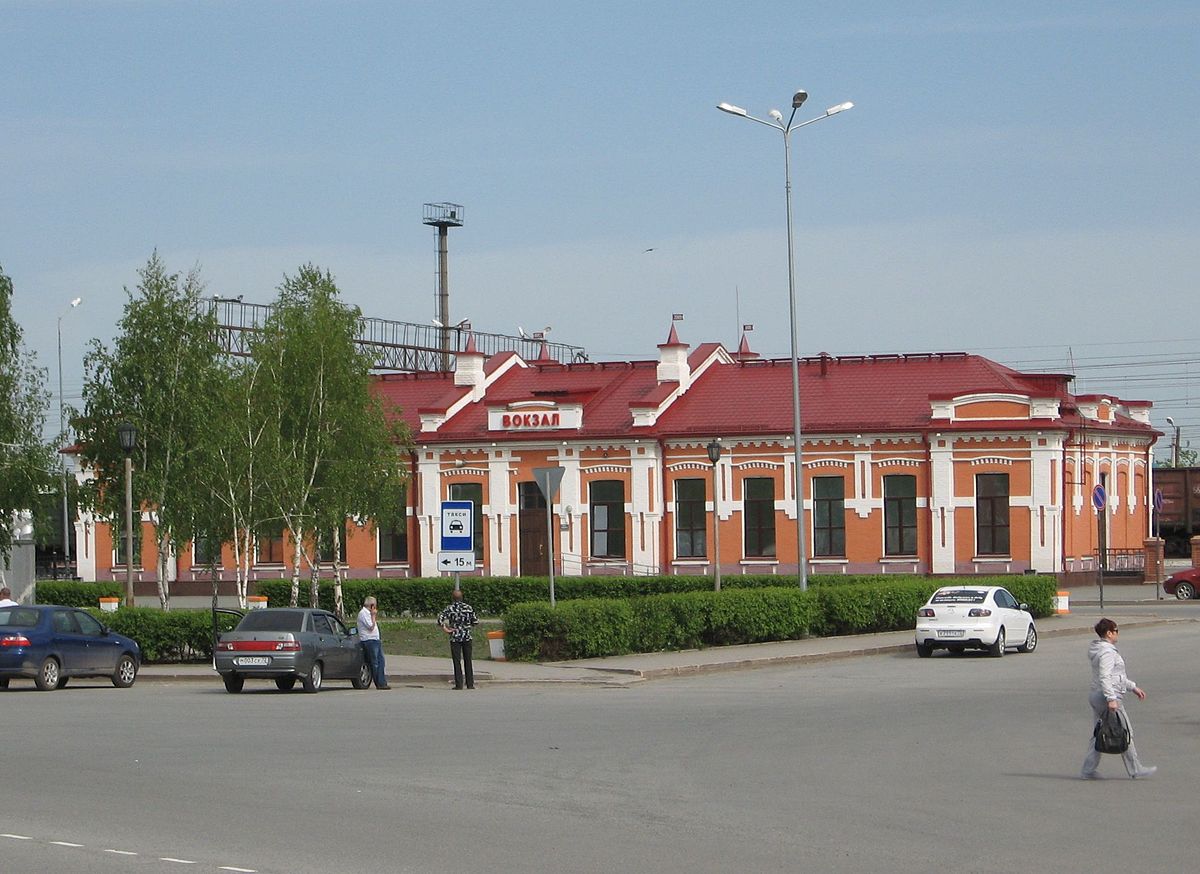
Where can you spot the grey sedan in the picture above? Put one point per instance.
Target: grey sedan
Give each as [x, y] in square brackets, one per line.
[285, 644]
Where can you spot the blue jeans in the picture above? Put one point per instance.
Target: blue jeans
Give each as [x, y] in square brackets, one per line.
[373, 650]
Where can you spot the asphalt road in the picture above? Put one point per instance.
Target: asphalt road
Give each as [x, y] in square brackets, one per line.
[881, 763]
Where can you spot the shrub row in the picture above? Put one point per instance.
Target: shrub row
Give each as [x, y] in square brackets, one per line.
[72, 593]
[175, 636]
[589, 628]
[492, 596]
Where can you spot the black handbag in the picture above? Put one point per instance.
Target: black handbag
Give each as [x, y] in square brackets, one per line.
[1111, 733]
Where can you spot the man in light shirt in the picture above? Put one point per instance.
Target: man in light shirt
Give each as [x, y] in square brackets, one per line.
[368, 633]
[6, 598]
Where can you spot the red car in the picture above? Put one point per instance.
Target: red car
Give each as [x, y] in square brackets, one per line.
[1183, 585]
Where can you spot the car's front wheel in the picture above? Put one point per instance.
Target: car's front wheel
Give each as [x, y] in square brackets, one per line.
[363, 680]
[1185, 591]
[47, 675]
[62, 682]
[125, 673]
[1030, 643]
[285, 684]
[233, 682]
[997, 649]
[312, 682]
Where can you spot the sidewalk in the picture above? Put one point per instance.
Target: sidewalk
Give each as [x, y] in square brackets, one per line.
[630, 669]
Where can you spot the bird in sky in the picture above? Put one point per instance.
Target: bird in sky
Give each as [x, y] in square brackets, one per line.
[651, 249]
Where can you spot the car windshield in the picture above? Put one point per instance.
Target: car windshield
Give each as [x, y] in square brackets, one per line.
[272, 620]
[959, 596]
[18, 617]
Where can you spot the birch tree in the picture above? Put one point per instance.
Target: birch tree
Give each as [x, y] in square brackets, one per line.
[159, 375]
[328, 442]
[25, 460]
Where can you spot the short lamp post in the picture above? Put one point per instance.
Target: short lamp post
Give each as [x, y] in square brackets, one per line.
[127, 433]
[714, 455]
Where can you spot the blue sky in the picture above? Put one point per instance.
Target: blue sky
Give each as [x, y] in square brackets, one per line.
[1016, 179]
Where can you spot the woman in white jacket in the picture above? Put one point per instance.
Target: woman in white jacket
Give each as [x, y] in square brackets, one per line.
[1109, 685]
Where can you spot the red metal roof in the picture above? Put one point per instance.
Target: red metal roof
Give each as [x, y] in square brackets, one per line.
[882, 393]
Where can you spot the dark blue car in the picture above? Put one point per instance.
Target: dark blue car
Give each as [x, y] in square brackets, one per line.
[51, 644]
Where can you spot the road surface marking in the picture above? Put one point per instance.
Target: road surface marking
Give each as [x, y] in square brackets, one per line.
[122, 852]
[231, 868]
[65, 844]
[180, 861]
[18, 837]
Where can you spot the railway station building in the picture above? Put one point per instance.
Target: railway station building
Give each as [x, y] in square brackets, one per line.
[932, 463]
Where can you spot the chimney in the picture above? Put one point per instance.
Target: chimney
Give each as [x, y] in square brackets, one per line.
[673, 361]
[468, 366]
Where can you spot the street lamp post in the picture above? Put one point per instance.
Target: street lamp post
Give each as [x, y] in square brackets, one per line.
[714, 455]
[128, 434]
[1174, 445]
[786, 129]
[62, 428]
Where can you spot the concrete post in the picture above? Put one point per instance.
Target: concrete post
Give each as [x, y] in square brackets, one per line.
[1196, 551]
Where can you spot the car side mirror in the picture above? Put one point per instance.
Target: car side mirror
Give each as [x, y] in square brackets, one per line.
[354, 630]
[1024, 606]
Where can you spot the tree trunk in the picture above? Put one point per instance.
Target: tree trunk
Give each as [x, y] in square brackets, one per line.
[294, 597]
[339, 604]
[314, 579]
[164, 585]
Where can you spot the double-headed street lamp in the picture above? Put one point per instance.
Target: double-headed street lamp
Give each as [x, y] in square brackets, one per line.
[777, 123]
[714, 455]
[127, 433]
[62, 427]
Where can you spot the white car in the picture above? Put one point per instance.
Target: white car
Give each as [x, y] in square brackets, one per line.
[974, 617]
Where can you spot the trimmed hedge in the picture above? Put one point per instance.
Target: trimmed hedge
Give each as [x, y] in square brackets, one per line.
[72, 593]
[601, 627]
[175, 636]
[492, 596]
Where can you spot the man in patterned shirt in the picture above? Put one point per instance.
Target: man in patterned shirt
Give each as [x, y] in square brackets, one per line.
[456, 620]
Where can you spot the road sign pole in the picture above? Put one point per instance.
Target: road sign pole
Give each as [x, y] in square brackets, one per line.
[550, 544]
[548, 479]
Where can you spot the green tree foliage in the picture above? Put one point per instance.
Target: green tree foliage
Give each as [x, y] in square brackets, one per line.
[160, 375]
[25, 461]
[329, 448]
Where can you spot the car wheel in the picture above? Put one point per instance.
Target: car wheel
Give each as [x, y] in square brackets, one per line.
[233, 682]
[312, 683]
[4, 684]
[1030, 643]
[1185, 591]
[285, 684]
[363, 680]
[125, 673]
[47, 675]
[996, 650]
[924, 650]
[62, 682]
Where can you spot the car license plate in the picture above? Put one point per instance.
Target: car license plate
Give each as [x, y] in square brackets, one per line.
[253, 661]
[950, 632]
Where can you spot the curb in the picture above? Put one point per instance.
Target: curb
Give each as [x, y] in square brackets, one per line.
[626, 676]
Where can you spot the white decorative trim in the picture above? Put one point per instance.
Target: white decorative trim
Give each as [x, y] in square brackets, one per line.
[606, 468]
[463, 471]
[898, 462]
[758, 465]
[689, 465]
[989, 459]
